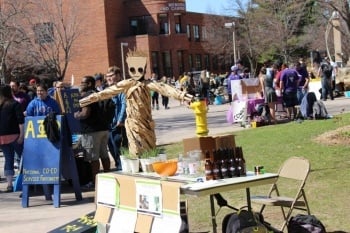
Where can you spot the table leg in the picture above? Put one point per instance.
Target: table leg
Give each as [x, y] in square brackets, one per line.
[213, 217]
[249, 204]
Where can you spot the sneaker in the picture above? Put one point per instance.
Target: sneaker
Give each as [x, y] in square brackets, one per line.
[88, 186]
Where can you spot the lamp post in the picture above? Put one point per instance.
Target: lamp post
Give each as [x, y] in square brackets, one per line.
[122, 44]
[232, 25]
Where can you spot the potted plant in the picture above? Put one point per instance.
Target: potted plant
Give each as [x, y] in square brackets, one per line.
[147, 158]
[124, 159]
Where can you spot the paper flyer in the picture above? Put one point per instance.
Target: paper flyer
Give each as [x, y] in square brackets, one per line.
[149, 197]
[108, 191]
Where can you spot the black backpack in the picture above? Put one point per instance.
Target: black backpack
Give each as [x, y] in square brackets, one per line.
[51, 127]
[327, 70]
[305, 224]
[243, 221]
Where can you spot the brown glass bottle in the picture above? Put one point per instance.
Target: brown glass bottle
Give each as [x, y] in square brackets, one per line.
[240, 162]
[223, 163]
[231, 163]
[216, 166]
[244, 166]
[237, 162]
[208, 167]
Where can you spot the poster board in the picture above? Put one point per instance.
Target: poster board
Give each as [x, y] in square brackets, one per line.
[68, 100]
[45, 162]
[239, 110]
[236, 90]
[40, 166]
[126, 217]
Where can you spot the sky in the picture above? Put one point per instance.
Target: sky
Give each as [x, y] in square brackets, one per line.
[207, 6]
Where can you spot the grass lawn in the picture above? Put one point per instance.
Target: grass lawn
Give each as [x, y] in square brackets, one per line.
[327, 187]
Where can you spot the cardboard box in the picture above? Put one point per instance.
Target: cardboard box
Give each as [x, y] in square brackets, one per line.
[225, 141]
[251, 88]
[199, 143]
[208, 143]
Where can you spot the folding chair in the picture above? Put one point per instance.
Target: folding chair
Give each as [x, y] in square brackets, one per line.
[294, 171]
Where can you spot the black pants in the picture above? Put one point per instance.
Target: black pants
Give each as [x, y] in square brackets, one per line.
[165, 101]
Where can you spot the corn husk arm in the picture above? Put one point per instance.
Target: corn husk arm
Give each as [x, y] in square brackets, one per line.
[107, 93]
[167, 90]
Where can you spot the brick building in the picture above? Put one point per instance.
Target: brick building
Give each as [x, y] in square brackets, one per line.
[175, 41]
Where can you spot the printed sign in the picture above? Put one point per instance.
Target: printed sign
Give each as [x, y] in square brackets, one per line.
[175, 6]
[149, 197]
[239, 110]
[108, 190]
[236, 90]
[41, 158]
[69, 103]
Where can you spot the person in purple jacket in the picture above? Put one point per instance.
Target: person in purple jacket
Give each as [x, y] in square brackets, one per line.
[289, 86]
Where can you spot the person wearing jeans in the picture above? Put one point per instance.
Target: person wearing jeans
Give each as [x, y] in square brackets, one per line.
[117, 133]
[11, 131]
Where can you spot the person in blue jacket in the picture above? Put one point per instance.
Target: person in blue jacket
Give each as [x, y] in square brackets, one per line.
[117, 133]
[43, 104]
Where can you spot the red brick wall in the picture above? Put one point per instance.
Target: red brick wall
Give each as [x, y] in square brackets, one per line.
[105, 24]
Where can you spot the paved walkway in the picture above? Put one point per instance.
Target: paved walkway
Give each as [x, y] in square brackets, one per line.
[171, 126]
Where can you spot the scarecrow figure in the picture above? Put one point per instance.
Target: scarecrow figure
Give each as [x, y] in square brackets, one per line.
[139, 123]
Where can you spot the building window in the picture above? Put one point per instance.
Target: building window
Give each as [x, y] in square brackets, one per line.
[204, 34]
[206, 61]
[190, 61]
[196, 33]
[178, 27]
[43, 33]
[188, 31]
[163, 24]
[167, 64]
[140, 25]
[155, 62]
[180, 61]
[198, 62]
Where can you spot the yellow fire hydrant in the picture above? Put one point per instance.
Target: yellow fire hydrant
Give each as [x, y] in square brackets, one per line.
[200, 110]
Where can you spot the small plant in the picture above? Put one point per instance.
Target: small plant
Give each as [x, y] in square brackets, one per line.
[150, 153]
[125, 151]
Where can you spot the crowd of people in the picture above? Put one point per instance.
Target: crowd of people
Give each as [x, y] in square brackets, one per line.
[100, 134]
[102, 123]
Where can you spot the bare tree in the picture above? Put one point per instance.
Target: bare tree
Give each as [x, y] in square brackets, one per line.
[218, 40]
[12, 34]
[55, 26]
[272, 29]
